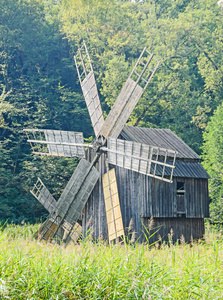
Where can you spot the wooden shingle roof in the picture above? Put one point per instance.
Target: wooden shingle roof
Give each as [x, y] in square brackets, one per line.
[163, 138]
[188, 162]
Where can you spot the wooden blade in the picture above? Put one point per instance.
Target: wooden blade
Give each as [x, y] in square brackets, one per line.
[47, 230]
[89, 88]
[56, 142]
[42, 194]
[71, 232]
[130, 94]
[145, 159]
[112, 206]
[74, 197]
[66, 232]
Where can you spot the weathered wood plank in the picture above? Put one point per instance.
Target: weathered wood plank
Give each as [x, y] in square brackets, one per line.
[90, 92]
[42, 194]
[186, 227]
[126, 99]
[140, 158]
[60, 136]
[89, 88]
[77, 192]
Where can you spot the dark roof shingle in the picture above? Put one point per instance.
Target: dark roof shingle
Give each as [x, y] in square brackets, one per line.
[163, 138]
[188, 163]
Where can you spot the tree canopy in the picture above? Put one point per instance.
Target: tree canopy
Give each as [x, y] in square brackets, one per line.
[39, 85]
[213, 162]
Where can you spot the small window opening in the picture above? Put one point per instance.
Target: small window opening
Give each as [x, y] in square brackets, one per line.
[180, 188]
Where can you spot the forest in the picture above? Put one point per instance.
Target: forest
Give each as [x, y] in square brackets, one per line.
[39, 85]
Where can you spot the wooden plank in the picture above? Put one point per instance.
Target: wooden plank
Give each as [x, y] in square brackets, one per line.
[94, 212]
[112, 205]
[129, 96]
[198, 199]
[138, 214]
[143, 200]
[201, 188]
[162, 208]
[157, 198]
[42, 194]
[164, 200]
[169, 199]
[193, 198]
[89, 88]
[203, 200]
[65, 137]
[90, 92]
[150, 196]
[77, 192]
[191, 201]
[174, 197]
[122, 182]
[74, 233]
[122, 109]
[207, 202]
[190, 184]
[137, 157]
[44, 231]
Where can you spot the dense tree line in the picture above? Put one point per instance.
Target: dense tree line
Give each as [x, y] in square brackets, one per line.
[213, 162]
[39, 85]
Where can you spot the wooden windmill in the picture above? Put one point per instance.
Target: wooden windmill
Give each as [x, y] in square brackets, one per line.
[62, 222]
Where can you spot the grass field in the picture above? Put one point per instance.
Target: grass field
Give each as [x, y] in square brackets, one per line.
[33, 270]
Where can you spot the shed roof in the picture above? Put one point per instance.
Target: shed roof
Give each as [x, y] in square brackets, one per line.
[163, 138]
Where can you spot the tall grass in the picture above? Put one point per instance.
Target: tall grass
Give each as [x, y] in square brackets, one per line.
[33, 270]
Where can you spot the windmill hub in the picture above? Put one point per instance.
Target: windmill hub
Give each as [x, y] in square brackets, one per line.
[99, 143]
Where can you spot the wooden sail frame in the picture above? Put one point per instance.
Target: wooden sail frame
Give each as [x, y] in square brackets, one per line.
[112, 206]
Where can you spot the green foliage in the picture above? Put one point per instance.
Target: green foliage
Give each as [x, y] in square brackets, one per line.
[185, 35]
[114, 76]
[33, 270]
[39, 85]
[213, 162]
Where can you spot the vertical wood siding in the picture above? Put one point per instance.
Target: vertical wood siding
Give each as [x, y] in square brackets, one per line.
[187, 228]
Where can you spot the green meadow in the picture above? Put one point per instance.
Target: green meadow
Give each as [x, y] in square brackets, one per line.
[34, 270]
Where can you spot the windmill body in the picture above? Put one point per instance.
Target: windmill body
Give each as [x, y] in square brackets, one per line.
[157, 162]
[180, 206]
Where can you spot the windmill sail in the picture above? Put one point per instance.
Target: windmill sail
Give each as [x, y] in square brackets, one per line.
[56, 142]
[89, 88]
[42, 194]
[112, 206]
[145, 159]
[130, 94]
[74, 197]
